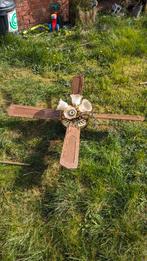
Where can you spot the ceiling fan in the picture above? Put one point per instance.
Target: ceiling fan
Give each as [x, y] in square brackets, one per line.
[74, 117]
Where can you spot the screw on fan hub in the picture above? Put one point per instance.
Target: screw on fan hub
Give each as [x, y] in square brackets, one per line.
[70, 113]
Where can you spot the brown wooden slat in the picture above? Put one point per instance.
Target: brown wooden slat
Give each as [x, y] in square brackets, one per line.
[77, 84]
[32, 112]
[119, 117]
[70, 152]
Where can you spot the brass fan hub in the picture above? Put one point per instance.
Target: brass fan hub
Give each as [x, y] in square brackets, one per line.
[80, 121]
[77, 113]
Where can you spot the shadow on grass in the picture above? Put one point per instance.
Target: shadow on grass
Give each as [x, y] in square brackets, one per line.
[94, 135]
[48, 133]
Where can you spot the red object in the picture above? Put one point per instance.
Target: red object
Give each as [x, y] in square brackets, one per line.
[54, 24]
[54, 18]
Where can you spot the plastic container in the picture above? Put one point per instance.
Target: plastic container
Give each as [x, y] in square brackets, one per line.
[8, 17]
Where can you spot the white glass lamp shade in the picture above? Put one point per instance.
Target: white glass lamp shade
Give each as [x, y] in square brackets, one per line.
[76, 99]
[85, 106]
[62, 105]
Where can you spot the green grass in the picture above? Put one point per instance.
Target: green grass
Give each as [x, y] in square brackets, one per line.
[97, 212]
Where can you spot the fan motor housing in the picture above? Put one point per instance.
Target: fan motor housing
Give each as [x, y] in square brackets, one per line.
[80, 121]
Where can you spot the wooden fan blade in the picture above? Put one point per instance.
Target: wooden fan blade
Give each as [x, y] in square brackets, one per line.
[70, 152]
[77, 84]
[119, 117]
[32, 112]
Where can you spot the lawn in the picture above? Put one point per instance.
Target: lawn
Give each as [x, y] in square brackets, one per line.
[97, 212]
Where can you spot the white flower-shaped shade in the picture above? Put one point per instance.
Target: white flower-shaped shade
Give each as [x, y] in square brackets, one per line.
[62, 105]
[70, 113]
[76, 99]
[85, 106]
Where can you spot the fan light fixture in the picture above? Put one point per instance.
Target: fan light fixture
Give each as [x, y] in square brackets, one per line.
[74, 117]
